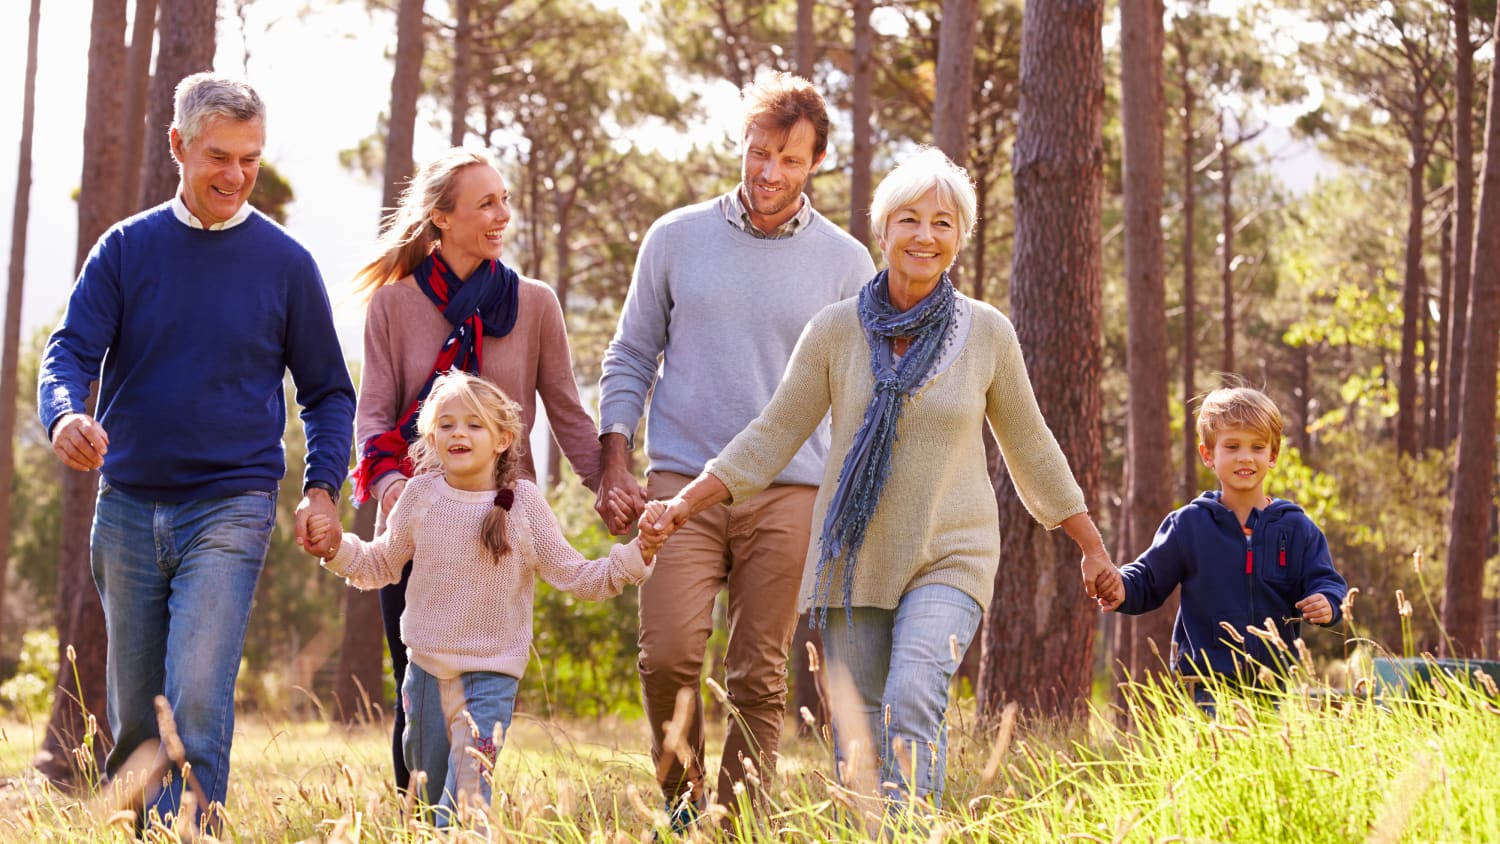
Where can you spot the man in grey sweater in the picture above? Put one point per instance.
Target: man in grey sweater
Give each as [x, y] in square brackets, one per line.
[721, 292]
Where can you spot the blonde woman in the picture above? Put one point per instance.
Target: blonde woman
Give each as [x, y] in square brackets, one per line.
[440, 298]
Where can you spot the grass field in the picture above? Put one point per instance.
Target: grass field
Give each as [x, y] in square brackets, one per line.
[1308, 767]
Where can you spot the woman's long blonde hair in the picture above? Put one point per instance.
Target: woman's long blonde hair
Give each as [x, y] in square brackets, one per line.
[501, 416]
[411, 233]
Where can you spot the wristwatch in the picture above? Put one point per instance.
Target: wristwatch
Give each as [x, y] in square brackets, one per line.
[333, 494]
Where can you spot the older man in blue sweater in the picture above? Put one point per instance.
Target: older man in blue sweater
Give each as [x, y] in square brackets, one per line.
[190, 314]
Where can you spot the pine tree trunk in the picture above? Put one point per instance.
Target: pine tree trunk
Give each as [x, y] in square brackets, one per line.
[406, 86]
[81, 635]
[10, 354]
[1038, 632]
[137, 87]
[185, 45]
[1148, 437]
[1463, 209]
[859, 174]
[360, 685]
[463, 49]
[1474, 468]
[1189, 278]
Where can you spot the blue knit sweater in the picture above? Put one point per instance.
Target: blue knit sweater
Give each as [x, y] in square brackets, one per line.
[190, 333]
[1229, 577]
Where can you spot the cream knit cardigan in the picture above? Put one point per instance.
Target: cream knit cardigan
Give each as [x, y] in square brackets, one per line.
[937, 520]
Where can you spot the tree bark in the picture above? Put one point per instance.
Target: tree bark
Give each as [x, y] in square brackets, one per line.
[10, 353]
[1038, 633]
[1474, 468]
[1226, 231]
[360, 685]
[137, 86]
[954, 94]
[185, 45]
[1407, 406]
[1442, 375]
[81, 636]
[1148, 455]
[406, 86]
[864, 72]
[1189, 275]
[463, 49]
[1463, 209]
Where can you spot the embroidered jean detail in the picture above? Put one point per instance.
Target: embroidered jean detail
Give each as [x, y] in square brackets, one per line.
[486, 746]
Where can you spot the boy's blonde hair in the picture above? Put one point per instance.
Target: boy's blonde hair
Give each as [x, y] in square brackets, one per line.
[1241, 407]
[501, 416]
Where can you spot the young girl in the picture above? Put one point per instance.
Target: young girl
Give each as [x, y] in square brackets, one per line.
[476, 534]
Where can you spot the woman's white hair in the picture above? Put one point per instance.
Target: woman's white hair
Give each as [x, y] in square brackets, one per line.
[929, 168]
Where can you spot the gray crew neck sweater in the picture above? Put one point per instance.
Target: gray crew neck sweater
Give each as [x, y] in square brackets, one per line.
[721, 311]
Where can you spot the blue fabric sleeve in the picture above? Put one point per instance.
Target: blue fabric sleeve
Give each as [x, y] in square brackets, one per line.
[74, 352]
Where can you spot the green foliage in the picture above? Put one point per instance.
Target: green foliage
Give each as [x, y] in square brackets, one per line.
[583, 651]
[29, 691]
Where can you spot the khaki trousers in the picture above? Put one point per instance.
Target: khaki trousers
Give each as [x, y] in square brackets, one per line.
[756, 549]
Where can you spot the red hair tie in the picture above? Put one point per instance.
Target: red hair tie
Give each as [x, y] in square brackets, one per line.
[505, 498]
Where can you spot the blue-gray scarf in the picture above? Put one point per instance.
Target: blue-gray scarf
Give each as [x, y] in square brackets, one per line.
[868, 463]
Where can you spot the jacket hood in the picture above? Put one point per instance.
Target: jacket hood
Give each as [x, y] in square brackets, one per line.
[1211, 501]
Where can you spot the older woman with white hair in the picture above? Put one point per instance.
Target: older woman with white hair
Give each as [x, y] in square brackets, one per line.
[910, 539]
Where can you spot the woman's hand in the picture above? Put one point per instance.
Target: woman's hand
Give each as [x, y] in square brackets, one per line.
[392, 493]
[1102, 580]
[1100, 577]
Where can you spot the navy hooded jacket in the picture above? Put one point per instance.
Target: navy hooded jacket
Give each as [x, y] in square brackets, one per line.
[1227, 576]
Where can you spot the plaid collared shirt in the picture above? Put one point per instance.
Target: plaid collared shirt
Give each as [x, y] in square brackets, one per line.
[739, 217]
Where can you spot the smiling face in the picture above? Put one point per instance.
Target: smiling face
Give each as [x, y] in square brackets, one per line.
[774, 171]
[219, 166]
[467, 448]
[1240, 458]
[919, 242]
[470, 232]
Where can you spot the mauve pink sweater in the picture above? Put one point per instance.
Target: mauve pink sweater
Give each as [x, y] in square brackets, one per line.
[403, 331]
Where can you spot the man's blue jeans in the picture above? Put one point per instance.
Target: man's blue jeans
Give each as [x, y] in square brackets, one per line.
[177, 581]
[901, 663]
[445, 719]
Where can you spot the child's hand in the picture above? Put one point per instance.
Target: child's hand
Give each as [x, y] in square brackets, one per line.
[1315, 608]
[1102, 581]
[320, 530]
[650, 539]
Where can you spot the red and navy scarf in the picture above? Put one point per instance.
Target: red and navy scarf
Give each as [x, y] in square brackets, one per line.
[483, 305]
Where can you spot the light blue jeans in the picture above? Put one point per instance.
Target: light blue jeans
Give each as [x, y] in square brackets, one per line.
[176, 582]
[901, 663]
[438, 735]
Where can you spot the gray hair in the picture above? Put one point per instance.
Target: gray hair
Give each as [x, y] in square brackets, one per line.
[929, 168]
[204, 96]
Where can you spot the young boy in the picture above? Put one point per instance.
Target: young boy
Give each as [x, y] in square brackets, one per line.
[1240, 556]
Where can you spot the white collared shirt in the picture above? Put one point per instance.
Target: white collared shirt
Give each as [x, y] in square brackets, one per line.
[187, 218]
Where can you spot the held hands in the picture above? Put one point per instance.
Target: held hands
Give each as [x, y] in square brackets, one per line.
[619, 501]
[315, 503]
[1315, 608]
[323, 532]
[659, 520]
[1102, 581]
[80, 442]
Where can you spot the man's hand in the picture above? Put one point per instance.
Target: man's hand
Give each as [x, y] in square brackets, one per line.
[316, 502]
[620, 497]
[1315, 608]
[80, 442]
[322, 533]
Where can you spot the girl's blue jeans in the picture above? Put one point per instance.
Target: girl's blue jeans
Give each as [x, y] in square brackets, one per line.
[444, 720]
